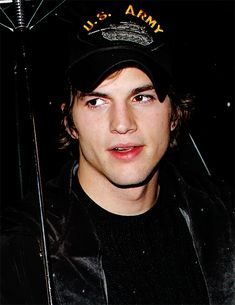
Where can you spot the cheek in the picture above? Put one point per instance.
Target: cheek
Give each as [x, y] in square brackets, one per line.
[159, 127]
[91, 128]
[161, 121]
[90, 135]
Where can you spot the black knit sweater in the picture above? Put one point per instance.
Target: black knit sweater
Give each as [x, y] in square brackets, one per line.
[149, 258]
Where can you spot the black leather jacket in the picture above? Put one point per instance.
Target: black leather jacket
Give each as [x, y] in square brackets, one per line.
[75, 259]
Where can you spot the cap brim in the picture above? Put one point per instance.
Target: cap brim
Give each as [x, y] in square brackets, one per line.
[90, 70]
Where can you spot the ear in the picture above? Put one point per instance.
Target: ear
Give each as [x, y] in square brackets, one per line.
[174, 124]
[175, 118]
[72, 131]
[62, 106]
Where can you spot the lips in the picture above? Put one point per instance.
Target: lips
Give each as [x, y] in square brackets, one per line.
[126, 151]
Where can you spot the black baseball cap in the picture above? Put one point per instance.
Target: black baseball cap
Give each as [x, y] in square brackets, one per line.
[109, 40]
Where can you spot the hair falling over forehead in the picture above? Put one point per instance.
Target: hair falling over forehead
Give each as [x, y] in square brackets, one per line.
[182, 108]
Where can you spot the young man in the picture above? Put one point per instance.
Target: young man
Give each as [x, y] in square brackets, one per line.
[123, 225]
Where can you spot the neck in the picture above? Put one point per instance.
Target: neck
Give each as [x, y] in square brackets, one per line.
[126, 201]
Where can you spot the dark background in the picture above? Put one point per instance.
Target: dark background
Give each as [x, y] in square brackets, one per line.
[204, 35]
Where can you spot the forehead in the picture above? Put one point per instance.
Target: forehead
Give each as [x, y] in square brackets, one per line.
[126, 77]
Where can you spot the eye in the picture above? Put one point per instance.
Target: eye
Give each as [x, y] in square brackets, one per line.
[95, 102]
[144, 98]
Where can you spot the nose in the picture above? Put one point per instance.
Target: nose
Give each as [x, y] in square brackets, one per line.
[122, 119]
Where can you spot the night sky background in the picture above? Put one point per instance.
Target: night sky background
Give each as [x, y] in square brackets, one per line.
[204, 35]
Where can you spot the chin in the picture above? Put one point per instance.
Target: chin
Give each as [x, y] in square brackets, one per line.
[133, 182]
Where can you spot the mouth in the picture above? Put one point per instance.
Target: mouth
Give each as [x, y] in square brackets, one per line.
[123, 149]
[126, 152]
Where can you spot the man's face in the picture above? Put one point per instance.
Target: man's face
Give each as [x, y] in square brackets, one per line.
[123, 129]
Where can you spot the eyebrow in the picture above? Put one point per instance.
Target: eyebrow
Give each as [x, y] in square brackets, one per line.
[93, 93]
[104, 95]
[142, 89]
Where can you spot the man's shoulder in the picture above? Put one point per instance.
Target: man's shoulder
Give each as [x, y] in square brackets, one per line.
[23, 216]
[196, 187]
